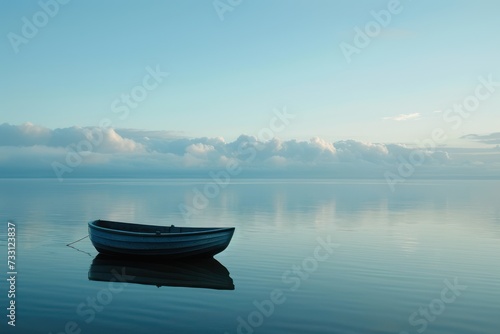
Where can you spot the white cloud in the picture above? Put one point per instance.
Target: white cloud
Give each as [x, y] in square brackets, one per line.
[114, 143]
[200, 149]
[490, 139]
[404, 117]
[28, 134]
[351, 150]
[25, 134]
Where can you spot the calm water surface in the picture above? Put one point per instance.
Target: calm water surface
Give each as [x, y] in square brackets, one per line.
[307, 257]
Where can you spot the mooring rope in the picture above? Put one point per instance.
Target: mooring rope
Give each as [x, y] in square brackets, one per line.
[74, 242]
[69, 245]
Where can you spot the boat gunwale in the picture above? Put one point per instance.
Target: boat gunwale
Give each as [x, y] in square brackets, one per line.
[210, 230]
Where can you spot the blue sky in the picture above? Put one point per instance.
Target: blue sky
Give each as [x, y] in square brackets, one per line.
[227, 76]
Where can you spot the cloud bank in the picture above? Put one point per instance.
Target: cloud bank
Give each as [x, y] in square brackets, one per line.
[29, 150]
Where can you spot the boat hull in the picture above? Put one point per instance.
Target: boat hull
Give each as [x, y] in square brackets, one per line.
[115, 238]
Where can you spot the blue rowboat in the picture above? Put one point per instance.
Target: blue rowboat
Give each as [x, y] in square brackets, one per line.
[116, 238]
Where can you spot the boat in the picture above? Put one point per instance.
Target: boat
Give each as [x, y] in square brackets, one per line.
[205, 273]
[128, 239]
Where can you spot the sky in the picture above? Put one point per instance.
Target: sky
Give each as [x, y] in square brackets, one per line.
[377, 74]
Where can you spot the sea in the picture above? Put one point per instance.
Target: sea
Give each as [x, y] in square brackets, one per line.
[307, 256]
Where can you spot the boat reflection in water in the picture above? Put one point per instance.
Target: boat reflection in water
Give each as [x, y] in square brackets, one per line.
[207, 273]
